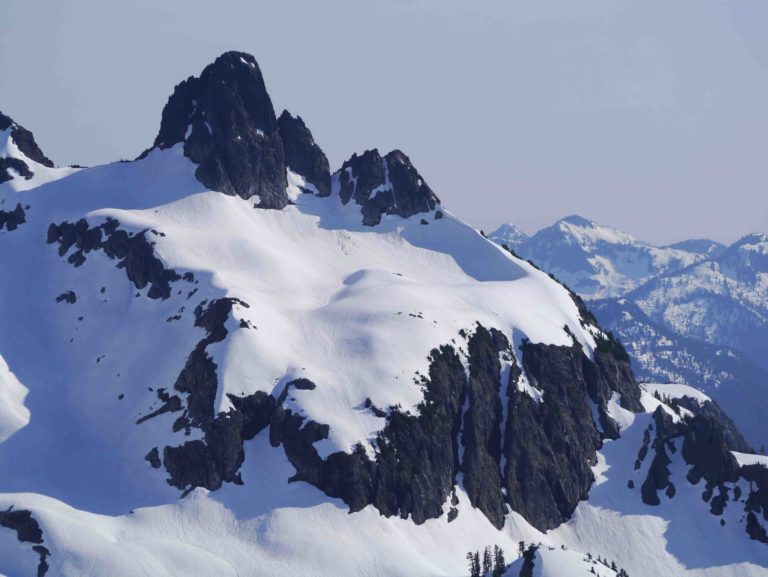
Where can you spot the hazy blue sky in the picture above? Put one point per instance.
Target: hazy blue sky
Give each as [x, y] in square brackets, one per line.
[650, 116]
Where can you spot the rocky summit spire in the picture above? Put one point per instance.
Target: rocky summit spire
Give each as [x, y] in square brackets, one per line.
[385, 185]
[228, 126]
[302, 154]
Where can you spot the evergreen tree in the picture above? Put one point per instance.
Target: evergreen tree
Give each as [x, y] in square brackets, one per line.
[487, 560]
[521, 548]
[499, 563]
[476, 564]
[471, 561]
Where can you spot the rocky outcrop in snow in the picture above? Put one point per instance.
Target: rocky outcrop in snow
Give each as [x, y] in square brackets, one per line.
[227, 124]
[387, 184]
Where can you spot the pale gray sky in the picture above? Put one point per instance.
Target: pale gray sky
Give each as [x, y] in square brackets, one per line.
[649, 116]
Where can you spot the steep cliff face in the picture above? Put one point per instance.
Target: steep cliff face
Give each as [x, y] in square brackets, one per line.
[534, 456]
[302, 154]
[228, 126]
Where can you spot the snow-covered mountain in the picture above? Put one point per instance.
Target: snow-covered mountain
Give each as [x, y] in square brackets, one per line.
[658, 353]
[694, 312]
[596, 261]
[510, 235]
[722, 301]
[224, 359]
[702, 246]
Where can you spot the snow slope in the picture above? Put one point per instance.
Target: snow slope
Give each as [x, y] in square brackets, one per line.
[269, 527]
[89, 344]
[355, 309]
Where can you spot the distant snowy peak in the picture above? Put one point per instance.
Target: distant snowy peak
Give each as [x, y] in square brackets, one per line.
[508, 234]
[702, 246]
[387, 184]
[588, 233]
[599, 261]
[229, 129]
[749, 254]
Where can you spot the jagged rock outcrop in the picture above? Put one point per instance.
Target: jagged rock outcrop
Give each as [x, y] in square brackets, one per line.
[302, 154]
[134, 253]
[27, 531]
[17, 165]
[549, 445]
[711, 410]
[537, 462]
[658, 472]
[228, 126]
[215, 459]
[11, 219]
[24, 141]
[384, 185]
[705, 449]
[481, 436]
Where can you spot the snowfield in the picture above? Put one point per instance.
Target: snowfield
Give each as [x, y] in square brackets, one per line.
[355, 309]
[269, 527]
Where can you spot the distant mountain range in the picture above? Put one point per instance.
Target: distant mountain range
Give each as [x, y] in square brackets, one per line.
[695, 311]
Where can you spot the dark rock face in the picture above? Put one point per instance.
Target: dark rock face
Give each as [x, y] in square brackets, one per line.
[704, 448]
[10, 220]
[227, 123]
[216, 459]
[302, 155]
[27, 531]
[25, 141]
[482, 425]
[711, 410]
[15, 164]
[417, 455]
[384, 185]
[537, 462]
[658, 472]
[757, 501]
[134, 253]
[549, 446]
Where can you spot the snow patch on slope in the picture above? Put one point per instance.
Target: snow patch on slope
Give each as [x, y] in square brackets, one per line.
[13, 414]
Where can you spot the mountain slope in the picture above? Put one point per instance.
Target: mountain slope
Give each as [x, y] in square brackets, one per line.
[598, 261]
[722, 301]
[698, 319]
[659, 354]
[230, 371]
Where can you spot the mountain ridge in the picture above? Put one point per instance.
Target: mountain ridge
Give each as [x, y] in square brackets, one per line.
[226, 377]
